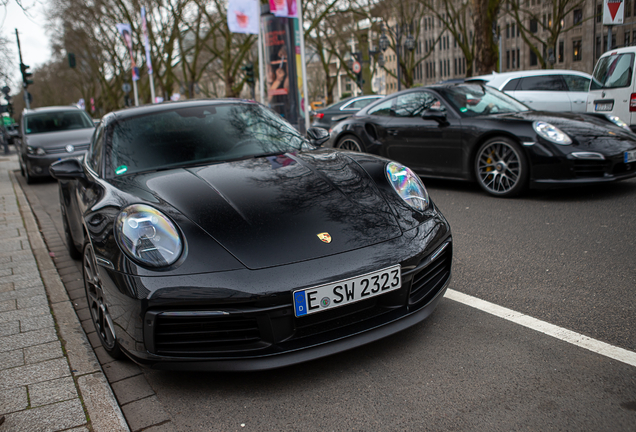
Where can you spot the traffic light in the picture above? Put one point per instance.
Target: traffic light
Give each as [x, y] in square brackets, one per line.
[26, 75]
[249, 73]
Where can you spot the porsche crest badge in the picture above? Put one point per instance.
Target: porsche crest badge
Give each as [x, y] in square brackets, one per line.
[325, 237]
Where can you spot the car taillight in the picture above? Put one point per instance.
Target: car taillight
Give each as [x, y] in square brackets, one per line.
[632, 103]
[320, 115]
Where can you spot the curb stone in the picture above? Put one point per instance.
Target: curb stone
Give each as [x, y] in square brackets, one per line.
[97, 396]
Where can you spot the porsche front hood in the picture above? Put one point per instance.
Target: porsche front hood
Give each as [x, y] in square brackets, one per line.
[269, 211]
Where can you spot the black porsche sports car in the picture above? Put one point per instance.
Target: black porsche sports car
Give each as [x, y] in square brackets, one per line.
[214, 236]
[474, 132]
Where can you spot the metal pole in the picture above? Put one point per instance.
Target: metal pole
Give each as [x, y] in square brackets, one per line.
[261, 66]
[609, 37]
[303, 64]
[135, 91]
[397, 49]
[152, 88]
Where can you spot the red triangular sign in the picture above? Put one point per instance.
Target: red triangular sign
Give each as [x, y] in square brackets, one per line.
[613, 8]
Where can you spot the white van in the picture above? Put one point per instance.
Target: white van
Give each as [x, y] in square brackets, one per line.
[612, 90]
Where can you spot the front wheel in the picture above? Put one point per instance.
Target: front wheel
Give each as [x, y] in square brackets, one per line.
[350, 143]
[501, 167]
[97, 305]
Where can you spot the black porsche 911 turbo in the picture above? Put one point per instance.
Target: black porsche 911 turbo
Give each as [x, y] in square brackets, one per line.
[474, 132]
[215, 237]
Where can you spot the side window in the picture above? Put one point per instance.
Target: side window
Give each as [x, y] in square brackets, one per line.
[413, 104]
[359, 104]
[543, 83]
[576, 83]
[94, 156]
[512, 85]
[383, 109]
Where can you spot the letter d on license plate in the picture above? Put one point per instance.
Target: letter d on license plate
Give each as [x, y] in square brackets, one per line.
[329, 296]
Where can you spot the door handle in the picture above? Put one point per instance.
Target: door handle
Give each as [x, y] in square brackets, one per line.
[393, 132]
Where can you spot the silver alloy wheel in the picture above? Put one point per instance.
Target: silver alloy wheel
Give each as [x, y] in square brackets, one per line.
[95, 297]
[349, 143]
[499, 167]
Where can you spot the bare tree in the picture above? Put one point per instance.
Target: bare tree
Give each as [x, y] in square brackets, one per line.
[485, 14]
[544, 32]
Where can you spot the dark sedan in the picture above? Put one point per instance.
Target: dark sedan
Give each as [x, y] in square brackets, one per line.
[474, 132]
[49, 134]
[214, 236]
[327, 117]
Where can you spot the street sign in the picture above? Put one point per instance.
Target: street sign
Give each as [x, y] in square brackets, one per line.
[356, 68]
[613, 12]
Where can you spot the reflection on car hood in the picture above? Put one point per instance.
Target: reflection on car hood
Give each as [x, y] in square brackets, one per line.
[269, 211]
[586, 131]
[60, 139]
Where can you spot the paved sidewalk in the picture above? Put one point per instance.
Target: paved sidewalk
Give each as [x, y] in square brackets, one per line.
[50, 379]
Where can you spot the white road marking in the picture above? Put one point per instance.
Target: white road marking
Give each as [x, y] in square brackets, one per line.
[565, 335]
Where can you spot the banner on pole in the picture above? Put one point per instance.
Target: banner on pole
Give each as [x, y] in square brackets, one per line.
[243, 16]
[126, 34]
[613, 12]
[284, 8]
[144, 29]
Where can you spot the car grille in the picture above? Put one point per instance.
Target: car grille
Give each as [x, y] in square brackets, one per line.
[190, 335]
[590, 168]
[428, 281]
[62, 150]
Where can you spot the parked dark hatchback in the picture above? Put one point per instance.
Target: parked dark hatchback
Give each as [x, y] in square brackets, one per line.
[49, 134]
[214, 236]
[327, 117]
[475, 132]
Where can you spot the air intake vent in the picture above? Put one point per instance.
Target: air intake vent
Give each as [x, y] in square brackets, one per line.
[428, 281]
[589, 168]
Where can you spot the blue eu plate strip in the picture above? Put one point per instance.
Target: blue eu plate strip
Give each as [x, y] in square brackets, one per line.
[300, 303]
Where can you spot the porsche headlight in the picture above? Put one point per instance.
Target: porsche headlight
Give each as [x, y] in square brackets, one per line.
[147, 236]
[618, 122]
[407, 185]
[551, 133]
[36, 151]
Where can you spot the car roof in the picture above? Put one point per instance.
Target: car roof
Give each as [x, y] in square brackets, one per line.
[167, 106]
[629, 49]
[498, 79]
[51, 109]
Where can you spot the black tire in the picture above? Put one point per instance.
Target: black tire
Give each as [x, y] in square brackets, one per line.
[21, 166]
[27, 176]
[501, 167]
[97, 305]
[350, 143]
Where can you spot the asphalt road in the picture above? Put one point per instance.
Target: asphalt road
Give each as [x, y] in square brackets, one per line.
[567, 257]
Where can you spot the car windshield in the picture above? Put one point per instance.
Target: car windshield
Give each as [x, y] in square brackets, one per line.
[473, 100]
[613, 71]
[200, 134]
[56, 121]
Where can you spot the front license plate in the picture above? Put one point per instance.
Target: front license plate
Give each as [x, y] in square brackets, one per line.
[630, 156]
[604, 106]
[329, 296]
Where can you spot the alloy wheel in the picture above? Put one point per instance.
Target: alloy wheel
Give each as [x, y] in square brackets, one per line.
[96, 305]
[499, 168]
[349, 143]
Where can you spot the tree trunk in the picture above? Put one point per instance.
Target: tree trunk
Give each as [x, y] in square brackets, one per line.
[486, 51]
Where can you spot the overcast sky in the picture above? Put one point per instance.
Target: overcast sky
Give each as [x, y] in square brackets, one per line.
[33, 39]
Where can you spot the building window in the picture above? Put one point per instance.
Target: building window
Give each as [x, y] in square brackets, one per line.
[507, 31]
[514, 62]
[599, 13]
[627, 38]
[561, 51]
[634, 37]
[534, 26]
[518, 59]
[508, 59]
[628, 9]
[576, 50]
[533, 58]
[577, 16]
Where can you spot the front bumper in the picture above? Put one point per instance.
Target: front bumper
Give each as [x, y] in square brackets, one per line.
[38, 166]
[168, 326]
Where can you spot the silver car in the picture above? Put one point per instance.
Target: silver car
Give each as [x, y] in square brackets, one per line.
[49, 134]
[543, 90]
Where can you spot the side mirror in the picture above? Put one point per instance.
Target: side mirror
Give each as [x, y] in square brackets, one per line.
[67, 169]
[438, 116]
[317, 136]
